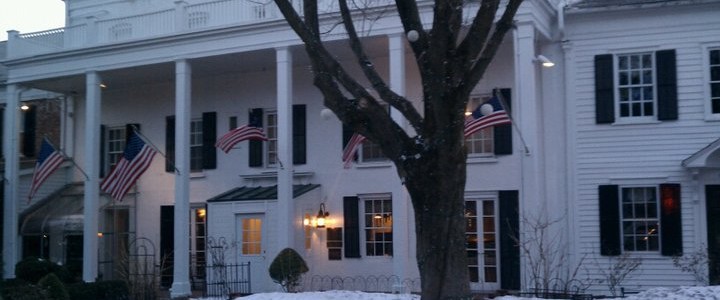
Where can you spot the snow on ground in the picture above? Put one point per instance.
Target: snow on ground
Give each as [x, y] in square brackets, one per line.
[677, 293]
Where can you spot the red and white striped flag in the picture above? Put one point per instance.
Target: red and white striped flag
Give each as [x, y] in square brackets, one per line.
[48, 161]
[245, 132]
[493, 114]
[352, 146]
[135, 160]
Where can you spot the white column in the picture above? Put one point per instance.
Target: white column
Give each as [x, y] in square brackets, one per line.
[181, 265]
[12, 167]
[285, 149]
[67, 125]
[93, 101]
[401, 209]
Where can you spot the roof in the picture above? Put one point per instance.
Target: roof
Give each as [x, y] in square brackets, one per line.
[246, 193]
[624, 4]
[707, 157]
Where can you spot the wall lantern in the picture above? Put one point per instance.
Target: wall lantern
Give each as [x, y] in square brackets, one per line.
[322, 214]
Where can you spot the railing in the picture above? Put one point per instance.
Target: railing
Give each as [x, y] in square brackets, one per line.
[227, 280]
[369, 283]
[182, 18]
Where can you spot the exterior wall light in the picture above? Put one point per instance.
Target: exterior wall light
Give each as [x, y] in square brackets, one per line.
[322, 214]
[544, 61]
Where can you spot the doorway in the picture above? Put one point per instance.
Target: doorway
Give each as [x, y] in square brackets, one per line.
[482, 244]
[250, 235]
[712, 201]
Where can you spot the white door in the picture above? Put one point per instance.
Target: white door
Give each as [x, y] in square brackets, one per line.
[250, 237]
[482, 244]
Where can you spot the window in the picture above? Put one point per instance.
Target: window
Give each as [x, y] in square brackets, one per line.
[481, 142]
[116, 137]
[636, 87]
[636, 92]
[198, 234]
[640, 223]
[481, 240]
[640, 218]
[251, 236]
[714, 68]
[378, 226]
[371, 152]
[196, 145]
[272, 138]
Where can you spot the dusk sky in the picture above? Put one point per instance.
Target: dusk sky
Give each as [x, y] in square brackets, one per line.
[30, 15]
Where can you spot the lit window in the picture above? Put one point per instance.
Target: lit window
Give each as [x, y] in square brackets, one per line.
[640, 222]
[378, 226]
[251, 236]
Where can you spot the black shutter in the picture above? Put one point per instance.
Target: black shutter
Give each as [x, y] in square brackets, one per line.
[170, 144]
[299, 137]
[167, 242]
[604, 93]
[209, 135]
[509, 220]
[347, 133]
[667, 85]
[255, 150]
[28, 146]
[670, 220]
[2, 126]
[609, 220]
[503, 133]
[103, 150]
[351, 218]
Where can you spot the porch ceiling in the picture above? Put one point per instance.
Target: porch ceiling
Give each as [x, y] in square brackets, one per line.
[204, 66]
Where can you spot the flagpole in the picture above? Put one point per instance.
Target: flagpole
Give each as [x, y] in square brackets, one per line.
[146, 140]
[67, 157]
[498, 94]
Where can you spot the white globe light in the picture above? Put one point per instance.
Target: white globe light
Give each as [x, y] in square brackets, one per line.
[486, 109]
[412, 35]
[326, 114]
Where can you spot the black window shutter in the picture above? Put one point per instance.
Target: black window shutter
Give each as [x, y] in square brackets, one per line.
[670, 220]
[167, 241]
[351, 218]
[255, 149]
[2, 126]
[667, 85]
[609, 220]
[209, 135]
[299, 135]
[604, 89]
[508, 212]
[28, 146]
[503, 133]
[170, 144]
[103, 150]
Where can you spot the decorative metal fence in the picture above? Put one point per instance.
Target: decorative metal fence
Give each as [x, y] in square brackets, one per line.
[227, 280]
[371, 283]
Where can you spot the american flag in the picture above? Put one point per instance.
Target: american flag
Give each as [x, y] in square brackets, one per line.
[48, 161]
[134, 161]
[477, 120]
[352, 146]
[245, 132]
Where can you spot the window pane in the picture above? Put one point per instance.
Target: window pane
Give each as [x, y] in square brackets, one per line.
[623, 78]
[634, 62]
[716, 106]
[647, 61]
[715, 57]
[622, 62]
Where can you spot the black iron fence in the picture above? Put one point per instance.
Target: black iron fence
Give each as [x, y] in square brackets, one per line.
[371, 283]
[227, 280]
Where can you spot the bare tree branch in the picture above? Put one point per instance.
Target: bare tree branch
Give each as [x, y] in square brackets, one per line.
[395, 100]
[472, 43]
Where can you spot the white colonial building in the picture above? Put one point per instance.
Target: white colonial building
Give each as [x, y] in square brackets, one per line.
[615, 146]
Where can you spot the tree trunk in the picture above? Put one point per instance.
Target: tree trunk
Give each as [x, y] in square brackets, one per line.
[437, 190]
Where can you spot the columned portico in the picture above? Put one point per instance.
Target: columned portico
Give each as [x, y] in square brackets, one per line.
[11, 181]
[181, 278]
[285, 149]
[93, 103]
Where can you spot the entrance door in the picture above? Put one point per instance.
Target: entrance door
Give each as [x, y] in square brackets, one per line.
[250, 234]
[482, 244]
[712, 199]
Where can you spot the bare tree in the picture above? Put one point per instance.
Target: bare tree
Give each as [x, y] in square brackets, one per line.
[452, 56]
[618, 269]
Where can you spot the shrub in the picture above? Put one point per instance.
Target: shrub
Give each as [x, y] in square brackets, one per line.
[31, 269]
[18, 289]
[54, 287]
[101, 290]
[286, 269]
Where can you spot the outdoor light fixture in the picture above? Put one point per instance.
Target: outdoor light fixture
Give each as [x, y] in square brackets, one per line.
[24, 107]
[322, 214]
[546, 62]
[306, 220]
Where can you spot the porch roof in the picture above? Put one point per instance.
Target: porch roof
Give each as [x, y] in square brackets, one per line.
[707, 157]
[247, 193]
[59, 210]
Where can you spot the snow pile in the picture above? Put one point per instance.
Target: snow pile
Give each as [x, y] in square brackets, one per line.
[677, 293]
[330, 295]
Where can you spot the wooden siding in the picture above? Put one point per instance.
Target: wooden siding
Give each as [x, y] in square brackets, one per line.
[649, 153]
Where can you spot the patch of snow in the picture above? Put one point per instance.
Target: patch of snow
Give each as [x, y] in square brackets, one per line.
[675, 293]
